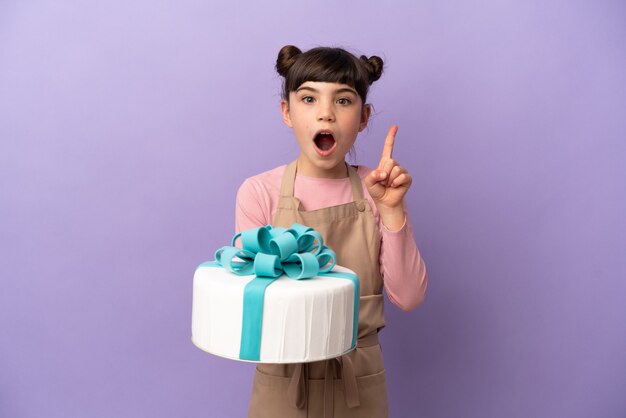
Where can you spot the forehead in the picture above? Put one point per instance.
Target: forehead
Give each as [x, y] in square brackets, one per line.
[325, 87]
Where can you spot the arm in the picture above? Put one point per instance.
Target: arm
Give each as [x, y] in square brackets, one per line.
[252, 208]
[402, 267]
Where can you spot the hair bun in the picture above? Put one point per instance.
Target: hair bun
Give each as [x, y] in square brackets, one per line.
[374, 67]
[286, 58]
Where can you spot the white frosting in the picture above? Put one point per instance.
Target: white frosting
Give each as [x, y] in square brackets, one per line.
[303, 320]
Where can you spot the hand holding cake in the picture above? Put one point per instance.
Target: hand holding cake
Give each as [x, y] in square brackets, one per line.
[388, 184]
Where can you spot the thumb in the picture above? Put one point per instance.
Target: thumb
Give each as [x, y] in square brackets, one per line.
[372, 182]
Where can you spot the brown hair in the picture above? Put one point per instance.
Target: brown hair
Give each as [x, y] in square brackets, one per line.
[334, 65]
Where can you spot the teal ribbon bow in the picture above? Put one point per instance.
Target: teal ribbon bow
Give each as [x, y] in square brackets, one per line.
[268, 253]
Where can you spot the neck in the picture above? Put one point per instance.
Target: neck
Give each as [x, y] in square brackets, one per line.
[339, 171]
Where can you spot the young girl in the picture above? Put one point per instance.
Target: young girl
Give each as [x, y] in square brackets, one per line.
[361, 215]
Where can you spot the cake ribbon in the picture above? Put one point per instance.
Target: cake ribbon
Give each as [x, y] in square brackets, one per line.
[268, 253]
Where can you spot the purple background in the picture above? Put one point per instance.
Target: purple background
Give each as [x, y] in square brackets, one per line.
[126, 128]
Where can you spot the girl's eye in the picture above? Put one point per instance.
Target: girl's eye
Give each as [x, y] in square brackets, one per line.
[307, 99]
[344, 101]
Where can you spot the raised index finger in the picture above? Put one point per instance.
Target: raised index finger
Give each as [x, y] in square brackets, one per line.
[388, 146]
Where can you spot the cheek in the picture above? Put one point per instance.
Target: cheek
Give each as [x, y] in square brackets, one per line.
[300, 126]
[355, 120]
[297, 118]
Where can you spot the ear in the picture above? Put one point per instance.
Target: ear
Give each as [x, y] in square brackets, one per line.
[284, 109]
[366, 111]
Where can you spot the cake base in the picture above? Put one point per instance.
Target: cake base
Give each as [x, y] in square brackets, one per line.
[303, 320]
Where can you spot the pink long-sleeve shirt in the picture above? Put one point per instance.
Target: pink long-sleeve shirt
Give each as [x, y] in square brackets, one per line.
[403, 269]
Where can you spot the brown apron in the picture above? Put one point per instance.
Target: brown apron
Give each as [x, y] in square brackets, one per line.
[352, 385]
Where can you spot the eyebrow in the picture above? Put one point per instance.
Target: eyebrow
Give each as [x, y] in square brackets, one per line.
[338, 91]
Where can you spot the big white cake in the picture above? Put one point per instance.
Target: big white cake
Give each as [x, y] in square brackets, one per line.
[302, 320]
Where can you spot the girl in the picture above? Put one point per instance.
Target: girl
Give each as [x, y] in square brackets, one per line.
[361, 215]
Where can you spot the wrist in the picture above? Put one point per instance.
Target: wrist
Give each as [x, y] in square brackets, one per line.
[392, 217]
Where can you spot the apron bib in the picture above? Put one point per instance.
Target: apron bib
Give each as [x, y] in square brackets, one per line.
[352, 385]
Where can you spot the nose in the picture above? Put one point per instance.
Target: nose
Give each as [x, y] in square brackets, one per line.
[326, 112]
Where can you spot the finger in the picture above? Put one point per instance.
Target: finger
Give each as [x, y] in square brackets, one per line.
[395, 172]
[388, 146]
[403, 180]
[386, 167]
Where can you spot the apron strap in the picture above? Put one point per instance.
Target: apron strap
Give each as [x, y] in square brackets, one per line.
[296, 392]
[357, 189]
[289, 179]
[349, 382]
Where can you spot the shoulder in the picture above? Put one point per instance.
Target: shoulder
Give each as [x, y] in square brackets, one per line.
[257, 198]
[264, 184]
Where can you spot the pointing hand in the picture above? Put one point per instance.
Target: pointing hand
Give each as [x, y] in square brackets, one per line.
[389, 182]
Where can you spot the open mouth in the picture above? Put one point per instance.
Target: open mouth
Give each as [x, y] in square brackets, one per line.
[324, 143]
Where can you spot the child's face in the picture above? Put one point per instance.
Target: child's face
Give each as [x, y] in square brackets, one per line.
[326, 119]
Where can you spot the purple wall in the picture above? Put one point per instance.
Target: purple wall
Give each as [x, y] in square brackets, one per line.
[126, 128]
